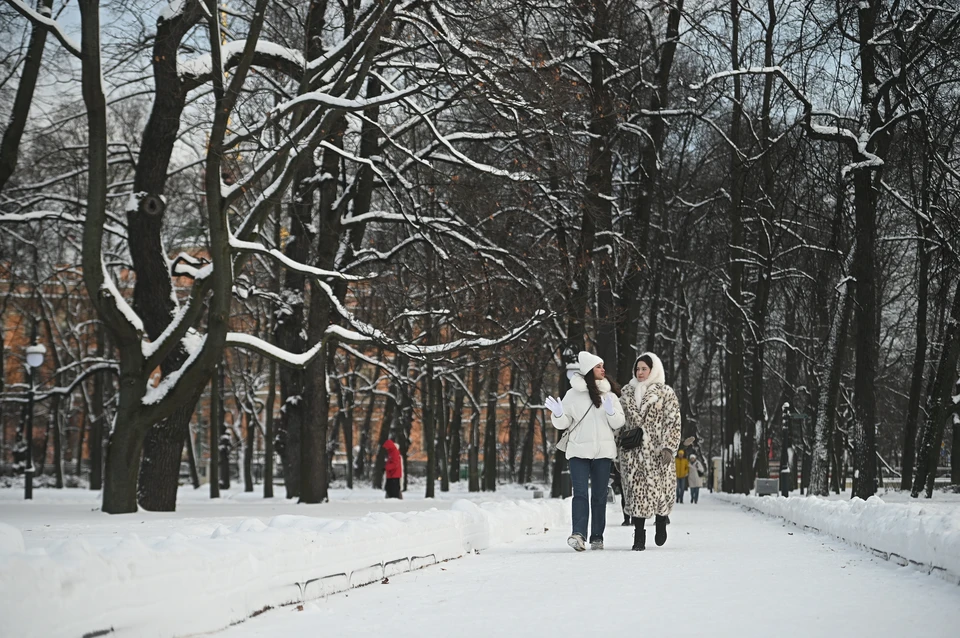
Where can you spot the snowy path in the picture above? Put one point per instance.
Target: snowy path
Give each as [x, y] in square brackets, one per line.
[723, 572]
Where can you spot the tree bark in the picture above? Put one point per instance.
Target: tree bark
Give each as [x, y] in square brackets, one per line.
[827, 404]
[473, 451]
[514, 433]
[940, 405]
[649, 191]
[429, 429]
[490, 434]
[268, 431]
[456, 433]
[216, 416]
[248, 443]
[98, 416]
[738, 439]
[920, 351]
[440, 395]
[10, 146]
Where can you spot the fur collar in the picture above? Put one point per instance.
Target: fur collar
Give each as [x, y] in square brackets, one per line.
[578, 383]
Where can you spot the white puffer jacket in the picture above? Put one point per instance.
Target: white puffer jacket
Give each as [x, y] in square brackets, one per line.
[593, 438]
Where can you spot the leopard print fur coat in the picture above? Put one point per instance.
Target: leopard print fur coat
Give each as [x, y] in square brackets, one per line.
[649, 484]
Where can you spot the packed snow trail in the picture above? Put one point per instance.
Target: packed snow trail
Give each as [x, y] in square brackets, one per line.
[723, 573]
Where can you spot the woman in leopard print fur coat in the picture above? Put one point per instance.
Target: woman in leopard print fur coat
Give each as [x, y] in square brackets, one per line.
[649, 474]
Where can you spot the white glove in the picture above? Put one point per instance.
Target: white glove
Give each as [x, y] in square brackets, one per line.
[608, 404]
[667, 455]
[554, 406]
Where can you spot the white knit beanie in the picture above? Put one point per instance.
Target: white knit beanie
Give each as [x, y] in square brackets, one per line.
[588, 361]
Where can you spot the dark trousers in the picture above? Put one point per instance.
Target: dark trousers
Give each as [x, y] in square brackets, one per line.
[597, 473]
[393, 488]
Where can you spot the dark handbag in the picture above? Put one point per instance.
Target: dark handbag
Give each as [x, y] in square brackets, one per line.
[632, 439]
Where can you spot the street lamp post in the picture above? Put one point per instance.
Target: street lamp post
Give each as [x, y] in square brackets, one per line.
[35, 353]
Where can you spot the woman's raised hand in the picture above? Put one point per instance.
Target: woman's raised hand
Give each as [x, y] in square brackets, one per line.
[608, 404]
[554, 406]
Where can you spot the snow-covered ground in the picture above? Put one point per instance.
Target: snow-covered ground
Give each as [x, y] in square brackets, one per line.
[724, 573]
[922, 531]
[67, 569]
[61, 514]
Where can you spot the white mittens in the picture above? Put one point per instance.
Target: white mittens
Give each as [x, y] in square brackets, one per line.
[608, 404]
[554, 406]
[666, 454]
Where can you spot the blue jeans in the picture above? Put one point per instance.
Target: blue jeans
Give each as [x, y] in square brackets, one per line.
[681, 488]
[694, 494]
[597, 471]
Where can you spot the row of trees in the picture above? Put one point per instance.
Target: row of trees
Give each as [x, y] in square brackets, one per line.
[368, 210]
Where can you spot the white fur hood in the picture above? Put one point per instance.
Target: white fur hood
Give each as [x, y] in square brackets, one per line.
[657, 375]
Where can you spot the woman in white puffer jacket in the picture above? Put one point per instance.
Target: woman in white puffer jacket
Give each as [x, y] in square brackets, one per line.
[592, 411]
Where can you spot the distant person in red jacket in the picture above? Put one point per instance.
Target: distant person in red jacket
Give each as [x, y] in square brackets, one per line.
[394, 469]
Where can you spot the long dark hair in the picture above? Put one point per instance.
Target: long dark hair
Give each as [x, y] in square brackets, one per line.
[595, 391]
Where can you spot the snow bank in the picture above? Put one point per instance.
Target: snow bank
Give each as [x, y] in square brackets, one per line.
[177, 584]
[915, 534]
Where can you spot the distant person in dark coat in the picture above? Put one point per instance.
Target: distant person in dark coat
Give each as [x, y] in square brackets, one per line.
[393, 469]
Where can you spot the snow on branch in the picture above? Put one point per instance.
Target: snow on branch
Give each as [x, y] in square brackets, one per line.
[44, 19]
[254, 247]
[267, 349]
[194, 71]
[108, 288]
[355, 104]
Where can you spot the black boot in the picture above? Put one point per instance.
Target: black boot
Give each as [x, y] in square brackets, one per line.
[626, 521]
[639, 535]
[661, 536]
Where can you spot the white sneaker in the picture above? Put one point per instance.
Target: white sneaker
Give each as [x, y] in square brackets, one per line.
[596, 544]
[576, 541]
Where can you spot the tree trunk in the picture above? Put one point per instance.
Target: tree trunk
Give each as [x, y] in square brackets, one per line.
[429, 429]
[192, 460]
[363, 457]
[514, 434]
[224, 439]
[122, 466]
[57, 443]
[473, 452]
[955, 447]
[920, 351]
[940, 405]
[313, 442]
[738, 439]
[347, 427]
[526, 455]
[248, 443]
[827, 403]
[160, 467]
[649, 191]
[456, 432]
[98, 416]
[443, 415]
[867, 321]
[216, 416]
[268, 431]
[490, 434]
[10, 147]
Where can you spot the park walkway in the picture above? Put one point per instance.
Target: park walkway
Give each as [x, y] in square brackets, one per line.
[723, 572]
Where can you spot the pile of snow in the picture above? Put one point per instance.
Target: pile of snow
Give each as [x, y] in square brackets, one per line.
[907, 533]
[185, 584]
